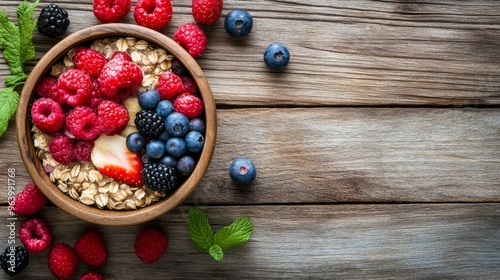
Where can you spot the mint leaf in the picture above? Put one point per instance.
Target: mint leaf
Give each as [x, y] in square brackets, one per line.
[13, 81]
[11, 44]
[235, 234]
[199, 229]
[26, 26]
[216, 252]
[8, 105]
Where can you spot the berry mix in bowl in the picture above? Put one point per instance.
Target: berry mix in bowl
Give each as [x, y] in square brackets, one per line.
[116, 124]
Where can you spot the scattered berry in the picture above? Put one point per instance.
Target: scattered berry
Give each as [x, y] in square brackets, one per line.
[177, 124]
[53, 21]
[82, 150]
[168, 161]
[276, 56]
[29, 201]
[61, 149]
[135, 142]
[62, 261]
[149, 99]
[176, 146]
[154, 14]
[155, 149]
[159, 177]
[192, 38]
[185, 165]
[89, 61]
[47, 115]
[194, 141]
[206, 11]
[169, 85]
[149, 123]
[91, 249]
[242, 171]
[14, 260]
[82, 123]
[121, 56]
[74, 87]
[189, 105]
[35, 234]
[46, 85]
[238, 23]
[112, 117]
[164, 108]
[107, 11]
[92, 276]
[150, 244]
[119, 78]
[197, 124]
[189, 84]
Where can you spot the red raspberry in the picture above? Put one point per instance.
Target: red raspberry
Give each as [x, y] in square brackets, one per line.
[112, 117]
[154, 14]
[62, 261]
[46, 85]
[61, 149]
[169, 85]
[189, 105]
[150, 244]
[82, 123]
[35, 234]
[29, 201]
[89, 60]
[74, 87]
[92, 276]
[191, 37]
[107, 11]
[83, 150]
[189, 84]
[90, 248]
[120, 78]
[47, 115]
[95, 95]
[206, 11]
[121, 56]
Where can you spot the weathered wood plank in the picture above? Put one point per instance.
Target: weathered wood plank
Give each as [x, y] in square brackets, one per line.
[412, 241]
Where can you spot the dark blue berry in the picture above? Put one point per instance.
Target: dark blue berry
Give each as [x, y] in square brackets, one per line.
[276, 56]
[185, 165]
[176, 147]
[53, 21]
[197, 124]
[168, 160]
[155, 149]
[238, 23]
[14, 259]
[135, 142]
[194, 141]
[177, 124]
[242, 171]
[164, 136]
[149, 99]
[164, 108]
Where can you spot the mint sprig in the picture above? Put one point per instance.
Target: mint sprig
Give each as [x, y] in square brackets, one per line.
[17, 46]
[204, 239]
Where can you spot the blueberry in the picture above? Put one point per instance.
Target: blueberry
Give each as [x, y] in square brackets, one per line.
[238, 23]
[176, 146]
[242, 171]
[197, 124]
[177, 124]
[194, 141]
[185, 165]
[164, 136]
[135, 142]
[155, 149]
[164, 108]
[276, 56]
[149, 99]
[169, 160]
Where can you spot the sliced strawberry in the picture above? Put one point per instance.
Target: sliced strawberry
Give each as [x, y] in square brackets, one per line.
[112, 158]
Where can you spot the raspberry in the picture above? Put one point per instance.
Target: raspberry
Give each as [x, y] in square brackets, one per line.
[89, 60]
[107, 11]
[189, 84]
[61, 149]
[35, 234]
[62, 261]
[206, 11]
[95, 95]
[47, 85]
[154, 14]
[112, 117]
[47, 115]
[90, 248]
[192, 38]
[74, 87]
[169, 85]
[83, 150]
[189, 105]
[29, 201]
[92, 276]
[82, 123]
[120, 78]
[150, 244]
[121, 56]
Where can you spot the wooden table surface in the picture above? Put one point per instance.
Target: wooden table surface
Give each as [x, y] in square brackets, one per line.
[377, 149]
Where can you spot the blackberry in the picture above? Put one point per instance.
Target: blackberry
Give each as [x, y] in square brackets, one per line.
[53, 21]
[149, 123]
[159, 177]
[14, 260]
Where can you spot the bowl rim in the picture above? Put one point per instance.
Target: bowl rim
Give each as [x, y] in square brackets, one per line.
[33, 165]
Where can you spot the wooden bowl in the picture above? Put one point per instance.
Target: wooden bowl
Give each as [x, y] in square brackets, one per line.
[34, 166]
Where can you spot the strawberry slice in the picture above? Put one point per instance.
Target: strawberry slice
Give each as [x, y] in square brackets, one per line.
[112, 158]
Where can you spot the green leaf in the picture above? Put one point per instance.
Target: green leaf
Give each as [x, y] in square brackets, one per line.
[13, 81]
[11, 44]
[8, 105]
[235, 234]
[26, 26]
[199, 229]
[216, 252]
